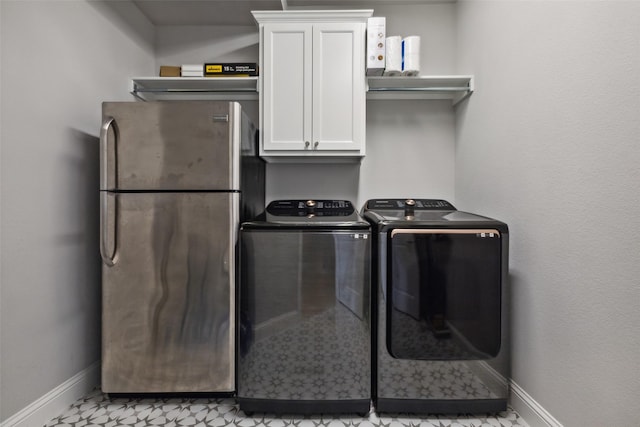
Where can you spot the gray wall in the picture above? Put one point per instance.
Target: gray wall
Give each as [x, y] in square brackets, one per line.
[60, 60]
[550, 143]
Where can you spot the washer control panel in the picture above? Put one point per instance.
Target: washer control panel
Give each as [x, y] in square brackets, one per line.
[414, 204]
[310, 207]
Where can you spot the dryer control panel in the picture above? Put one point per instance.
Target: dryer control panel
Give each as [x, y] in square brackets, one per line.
[415, 204]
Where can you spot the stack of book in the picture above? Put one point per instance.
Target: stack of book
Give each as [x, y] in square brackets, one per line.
[217, 69]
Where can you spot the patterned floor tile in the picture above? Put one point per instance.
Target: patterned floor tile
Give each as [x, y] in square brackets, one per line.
[99, 410]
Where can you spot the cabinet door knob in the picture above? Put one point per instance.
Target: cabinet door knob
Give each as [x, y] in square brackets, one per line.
[306, 144]
[315, 145]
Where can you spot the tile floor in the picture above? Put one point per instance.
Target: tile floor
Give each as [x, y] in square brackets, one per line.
[98, 410]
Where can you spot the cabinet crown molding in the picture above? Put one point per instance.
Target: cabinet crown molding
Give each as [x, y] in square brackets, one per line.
[267, 16]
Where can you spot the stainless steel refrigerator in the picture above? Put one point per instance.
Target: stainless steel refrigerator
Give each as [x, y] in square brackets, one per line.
[177, 178]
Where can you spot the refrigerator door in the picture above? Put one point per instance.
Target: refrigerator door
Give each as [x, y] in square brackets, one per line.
[171, 145]
[169, 292]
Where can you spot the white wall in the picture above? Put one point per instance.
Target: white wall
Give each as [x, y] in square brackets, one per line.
[60, 60]
[196, 44]
[550, 143]
[410, 150]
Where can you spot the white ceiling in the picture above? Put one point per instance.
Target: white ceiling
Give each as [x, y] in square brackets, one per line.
[238, 12]
[204, 12]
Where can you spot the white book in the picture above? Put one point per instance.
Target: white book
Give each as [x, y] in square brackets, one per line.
[192, 74]
[193, 67]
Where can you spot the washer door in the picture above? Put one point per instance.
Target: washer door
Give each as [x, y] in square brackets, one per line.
[444, 291]
[304, 315]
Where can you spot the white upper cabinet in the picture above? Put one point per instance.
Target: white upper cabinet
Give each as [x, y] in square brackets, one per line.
[339, 87]
[286, 86]
[312, 85]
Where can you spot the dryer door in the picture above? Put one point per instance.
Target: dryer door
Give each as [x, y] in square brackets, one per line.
[444, 291]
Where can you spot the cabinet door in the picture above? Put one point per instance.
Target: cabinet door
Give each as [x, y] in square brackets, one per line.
[338, 86]
[286, 97]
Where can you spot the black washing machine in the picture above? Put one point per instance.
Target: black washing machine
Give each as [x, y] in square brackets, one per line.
[440, 330]
[304, 335]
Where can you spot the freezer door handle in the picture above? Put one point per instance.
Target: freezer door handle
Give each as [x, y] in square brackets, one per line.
[110, 122]
[108, 225]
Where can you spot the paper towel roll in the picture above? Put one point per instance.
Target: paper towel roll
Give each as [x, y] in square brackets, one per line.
[411, 56]
[393, 64]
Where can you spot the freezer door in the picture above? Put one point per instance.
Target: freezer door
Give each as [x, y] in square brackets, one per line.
[169, 292]
[171, 145]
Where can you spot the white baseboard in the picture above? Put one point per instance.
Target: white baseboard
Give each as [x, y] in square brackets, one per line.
[530, 410]
[55, 402]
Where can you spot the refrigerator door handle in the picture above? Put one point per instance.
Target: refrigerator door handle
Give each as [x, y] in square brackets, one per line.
[108, 228]
[108, 256]
[228, 265]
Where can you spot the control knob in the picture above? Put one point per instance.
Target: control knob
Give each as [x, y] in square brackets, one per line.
[409, 206]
